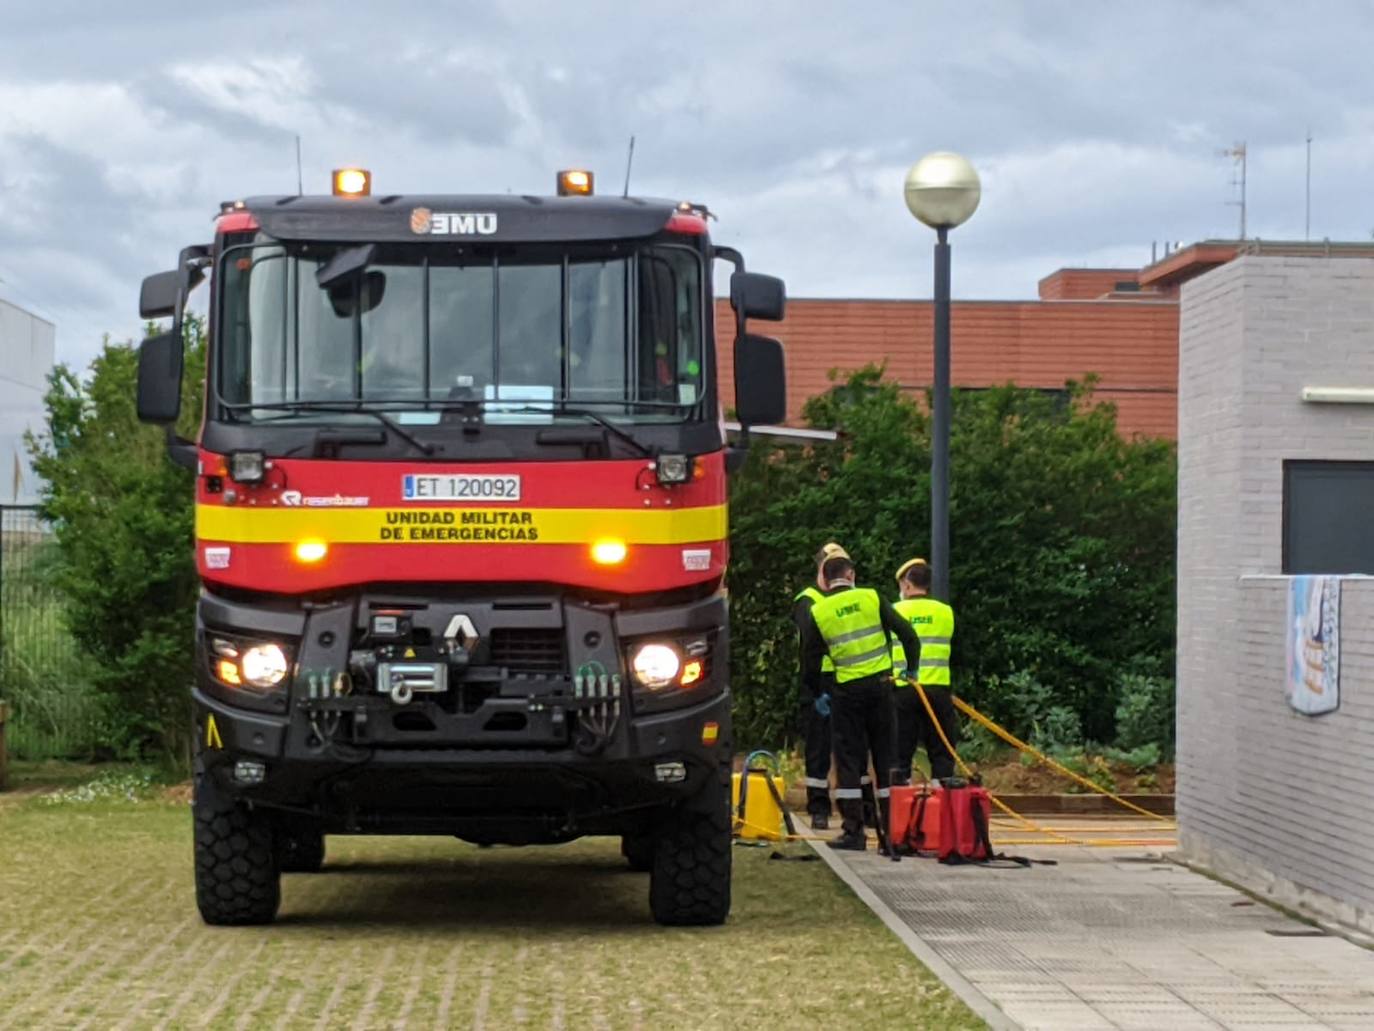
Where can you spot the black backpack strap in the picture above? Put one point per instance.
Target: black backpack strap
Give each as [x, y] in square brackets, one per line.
[980, 826]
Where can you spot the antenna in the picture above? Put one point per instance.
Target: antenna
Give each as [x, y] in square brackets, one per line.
[1307, 220]
[300, 188]
[629, 163]
[1237, 154]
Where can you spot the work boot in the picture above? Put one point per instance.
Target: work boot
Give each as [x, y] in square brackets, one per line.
[849, 843]
[820, 821]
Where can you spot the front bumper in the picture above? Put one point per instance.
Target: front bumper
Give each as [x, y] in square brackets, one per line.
[469, 769]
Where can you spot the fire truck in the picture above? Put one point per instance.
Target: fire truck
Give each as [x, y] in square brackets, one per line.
[460, 524]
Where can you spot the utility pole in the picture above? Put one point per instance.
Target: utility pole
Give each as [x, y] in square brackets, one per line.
[1237, 154]
[1307, 219]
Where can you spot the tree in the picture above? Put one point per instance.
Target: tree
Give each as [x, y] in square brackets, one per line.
[123, 517]
[1062, 539]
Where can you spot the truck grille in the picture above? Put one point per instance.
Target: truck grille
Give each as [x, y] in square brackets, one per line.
[527, 649]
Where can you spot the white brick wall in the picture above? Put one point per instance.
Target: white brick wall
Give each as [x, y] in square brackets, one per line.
[1281, 802]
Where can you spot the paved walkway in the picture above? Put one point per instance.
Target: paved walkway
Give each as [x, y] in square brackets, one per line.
[1113, 938]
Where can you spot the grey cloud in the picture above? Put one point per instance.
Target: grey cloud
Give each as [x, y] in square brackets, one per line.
[1096, 134]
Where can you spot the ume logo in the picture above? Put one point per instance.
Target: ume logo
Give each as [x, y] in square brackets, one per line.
[457, 223]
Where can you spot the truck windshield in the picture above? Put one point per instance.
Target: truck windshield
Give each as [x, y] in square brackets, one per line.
[619, 333]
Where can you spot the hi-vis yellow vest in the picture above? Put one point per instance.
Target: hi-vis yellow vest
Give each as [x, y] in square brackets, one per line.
[933, 622]
[852, 624]
[827, 666]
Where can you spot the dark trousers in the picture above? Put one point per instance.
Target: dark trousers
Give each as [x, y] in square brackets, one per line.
[861, 714]
[816, 729]
[915, 729]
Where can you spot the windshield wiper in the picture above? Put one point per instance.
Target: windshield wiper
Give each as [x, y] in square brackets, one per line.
[555, 408]
[346, 408]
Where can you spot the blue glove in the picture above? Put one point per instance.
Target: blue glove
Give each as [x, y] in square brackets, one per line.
[822, 705]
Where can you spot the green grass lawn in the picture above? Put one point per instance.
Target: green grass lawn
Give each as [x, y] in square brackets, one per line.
[98, 928]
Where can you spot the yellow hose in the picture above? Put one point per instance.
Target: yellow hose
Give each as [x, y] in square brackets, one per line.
[1015, 742]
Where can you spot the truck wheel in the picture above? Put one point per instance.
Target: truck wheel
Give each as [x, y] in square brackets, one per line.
[237, 880]
[299, 848]
[689, 884]
[638, 851]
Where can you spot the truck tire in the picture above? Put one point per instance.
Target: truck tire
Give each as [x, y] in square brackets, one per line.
[237, 879]
[689, 884]
[638, 850]
[299, 847]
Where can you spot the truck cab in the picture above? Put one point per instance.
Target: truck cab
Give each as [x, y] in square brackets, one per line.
[461, 527]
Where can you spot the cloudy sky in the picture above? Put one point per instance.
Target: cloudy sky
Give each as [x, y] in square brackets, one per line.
[1096, 128]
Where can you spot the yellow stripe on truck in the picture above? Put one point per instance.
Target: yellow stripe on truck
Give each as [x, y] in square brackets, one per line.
[248, 525]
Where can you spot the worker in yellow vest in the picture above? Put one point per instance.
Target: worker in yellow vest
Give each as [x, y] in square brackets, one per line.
[815, 707]
[854, 627]
[933, 622]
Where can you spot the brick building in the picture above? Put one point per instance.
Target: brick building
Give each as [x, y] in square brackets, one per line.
[1120, 324]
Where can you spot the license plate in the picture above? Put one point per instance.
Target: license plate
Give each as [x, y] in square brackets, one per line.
[425, 487]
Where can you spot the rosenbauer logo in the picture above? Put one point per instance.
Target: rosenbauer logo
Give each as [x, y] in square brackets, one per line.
[454, 223]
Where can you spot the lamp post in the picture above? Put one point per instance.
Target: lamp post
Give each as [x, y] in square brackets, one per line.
[942, 190]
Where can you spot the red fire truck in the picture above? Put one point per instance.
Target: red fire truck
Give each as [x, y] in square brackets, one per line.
[460, 495]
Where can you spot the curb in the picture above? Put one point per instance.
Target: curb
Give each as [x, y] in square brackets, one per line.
[955, 981]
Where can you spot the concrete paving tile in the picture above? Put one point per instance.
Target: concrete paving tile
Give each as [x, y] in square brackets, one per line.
[1035, 993]
[1133, 994]
[1058, 1017]
[1154, 1018]
[1100, 941]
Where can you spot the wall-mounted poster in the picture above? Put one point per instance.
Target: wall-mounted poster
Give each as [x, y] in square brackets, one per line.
[1313, 683]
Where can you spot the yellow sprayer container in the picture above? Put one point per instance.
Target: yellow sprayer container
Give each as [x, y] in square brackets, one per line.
[762, 817]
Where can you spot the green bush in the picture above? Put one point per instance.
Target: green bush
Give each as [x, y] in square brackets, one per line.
[122, 515]
[1145, 712]
[1094, 768]
[1061, 728]
[1142, 757]
[1062, 538]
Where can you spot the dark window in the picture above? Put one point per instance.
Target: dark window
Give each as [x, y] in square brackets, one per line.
[1326, 517]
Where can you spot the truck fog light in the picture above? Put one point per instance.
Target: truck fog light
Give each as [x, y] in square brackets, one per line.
[263, 665]
[310, 551]
[670, 773]
[673, 469]
[655, 665]
[608, 552]
[248, 772]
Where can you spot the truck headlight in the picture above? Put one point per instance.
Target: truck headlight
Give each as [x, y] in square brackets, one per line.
[655, 665]
[263, 665]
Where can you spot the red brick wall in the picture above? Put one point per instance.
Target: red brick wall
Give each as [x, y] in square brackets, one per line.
[1083, 284]
[1131, 345]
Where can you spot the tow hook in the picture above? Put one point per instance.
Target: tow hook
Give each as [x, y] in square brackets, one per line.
[401, 693]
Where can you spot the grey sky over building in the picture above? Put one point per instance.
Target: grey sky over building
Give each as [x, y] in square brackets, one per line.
[1096, 128]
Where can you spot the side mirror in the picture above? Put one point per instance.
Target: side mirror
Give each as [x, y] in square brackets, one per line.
[159, 377]
[760, 381]
[159, 296]
[756, 296]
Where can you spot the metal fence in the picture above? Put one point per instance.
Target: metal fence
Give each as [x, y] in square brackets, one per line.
[43, 675]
